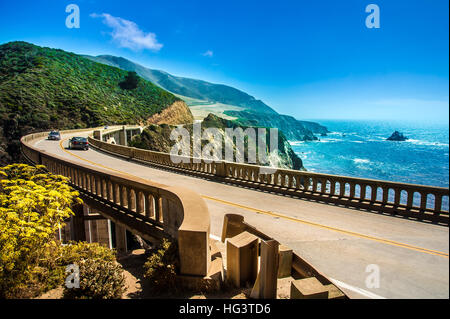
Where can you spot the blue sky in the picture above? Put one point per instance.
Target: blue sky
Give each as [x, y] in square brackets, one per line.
[310, 59]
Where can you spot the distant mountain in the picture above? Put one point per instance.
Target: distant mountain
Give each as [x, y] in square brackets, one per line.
[227, 102]
[192, 88]
[293, 129]
[43, 88]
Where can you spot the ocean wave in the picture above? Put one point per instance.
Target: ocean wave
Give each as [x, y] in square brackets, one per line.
[426, 143]
[361, 160]
[328, 140]
[376, 139]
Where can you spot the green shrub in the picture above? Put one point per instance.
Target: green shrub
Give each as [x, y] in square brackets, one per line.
[101, 277]
[162, 266]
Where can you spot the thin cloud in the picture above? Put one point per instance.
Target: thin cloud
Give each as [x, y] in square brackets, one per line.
[208, 53]
[127, 33]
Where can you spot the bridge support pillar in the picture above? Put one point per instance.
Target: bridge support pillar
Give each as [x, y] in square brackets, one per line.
[232, 226]
[79, 231]
[195, 256]
[266, 283]
[98, 135]
[123, 137]
[121, 239]
[285, 261]
[242, 259]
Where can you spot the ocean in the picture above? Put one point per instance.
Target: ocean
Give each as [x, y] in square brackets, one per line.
[360, 149]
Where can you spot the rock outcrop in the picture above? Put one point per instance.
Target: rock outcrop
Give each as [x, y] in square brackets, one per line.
[177, 113]
[397, 136]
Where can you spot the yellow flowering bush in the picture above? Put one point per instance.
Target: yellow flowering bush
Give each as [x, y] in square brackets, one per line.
[33, 205]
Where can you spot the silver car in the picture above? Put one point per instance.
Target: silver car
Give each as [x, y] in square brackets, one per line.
[54, 135]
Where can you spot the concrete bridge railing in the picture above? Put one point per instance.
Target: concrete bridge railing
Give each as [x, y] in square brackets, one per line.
[420, 202]
[145, 208]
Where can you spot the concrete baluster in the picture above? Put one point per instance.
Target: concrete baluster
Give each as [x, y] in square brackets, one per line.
[385, 195]
[149, 206]
[409, 201]
[423, 201]
[123, 196]
[131, 199]
[397, 197]
[121, 239]
[437, 203]
[139, 202]
[352, 190]
[373, 195]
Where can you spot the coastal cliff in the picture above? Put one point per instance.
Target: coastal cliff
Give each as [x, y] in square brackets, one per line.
[157, 138]
[177, 113]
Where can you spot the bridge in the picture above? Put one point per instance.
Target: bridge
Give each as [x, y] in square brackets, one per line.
[343, 226]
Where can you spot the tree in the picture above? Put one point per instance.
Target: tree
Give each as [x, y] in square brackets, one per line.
[131, 81]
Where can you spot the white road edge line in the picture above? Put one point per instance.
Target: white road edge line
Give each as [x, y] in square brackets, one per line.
[360, 291]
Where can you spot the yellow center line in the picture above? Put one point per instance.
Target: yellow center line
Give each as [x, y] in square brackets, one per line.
[347, 232]
[273, 214]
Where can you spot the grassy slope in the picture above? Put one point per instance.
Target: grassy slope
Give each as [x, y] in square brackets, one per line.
[42, 88]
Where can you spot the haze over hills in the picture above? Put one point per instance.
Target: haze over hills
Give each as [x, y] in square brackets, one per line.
[225, 101]
[195, 89]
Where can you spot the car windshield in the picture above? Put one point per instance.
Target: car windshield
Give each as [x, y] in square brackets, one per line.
[54, 133]
[79, 139]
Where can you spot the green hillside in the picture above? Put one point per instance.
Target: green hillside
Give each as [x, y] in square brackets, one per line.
[43, 88]
[192, 88]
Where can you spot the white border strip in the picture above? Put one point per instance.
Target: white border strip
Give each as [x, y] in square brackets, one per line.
[360, 291]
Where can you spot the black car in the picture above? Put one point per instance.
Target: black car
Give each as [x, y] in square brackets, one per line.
[54, 135]
[80, 143]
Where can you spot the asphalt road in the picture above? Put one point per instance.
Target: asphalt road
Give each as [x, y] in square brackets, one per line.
[347, 245]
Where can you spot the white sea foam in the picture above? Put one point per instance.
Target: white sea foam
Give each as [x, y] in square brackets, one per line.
[361, 160]
[296, 142]
[426, 143]
[329, 140]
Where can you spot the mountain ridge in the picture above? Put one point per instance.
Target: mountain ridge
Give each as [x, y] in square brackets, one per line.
[194, 88]
[240, 105]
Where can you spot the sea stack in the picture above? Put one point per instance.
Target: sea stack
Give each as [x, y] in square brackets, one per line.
[397, 136]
